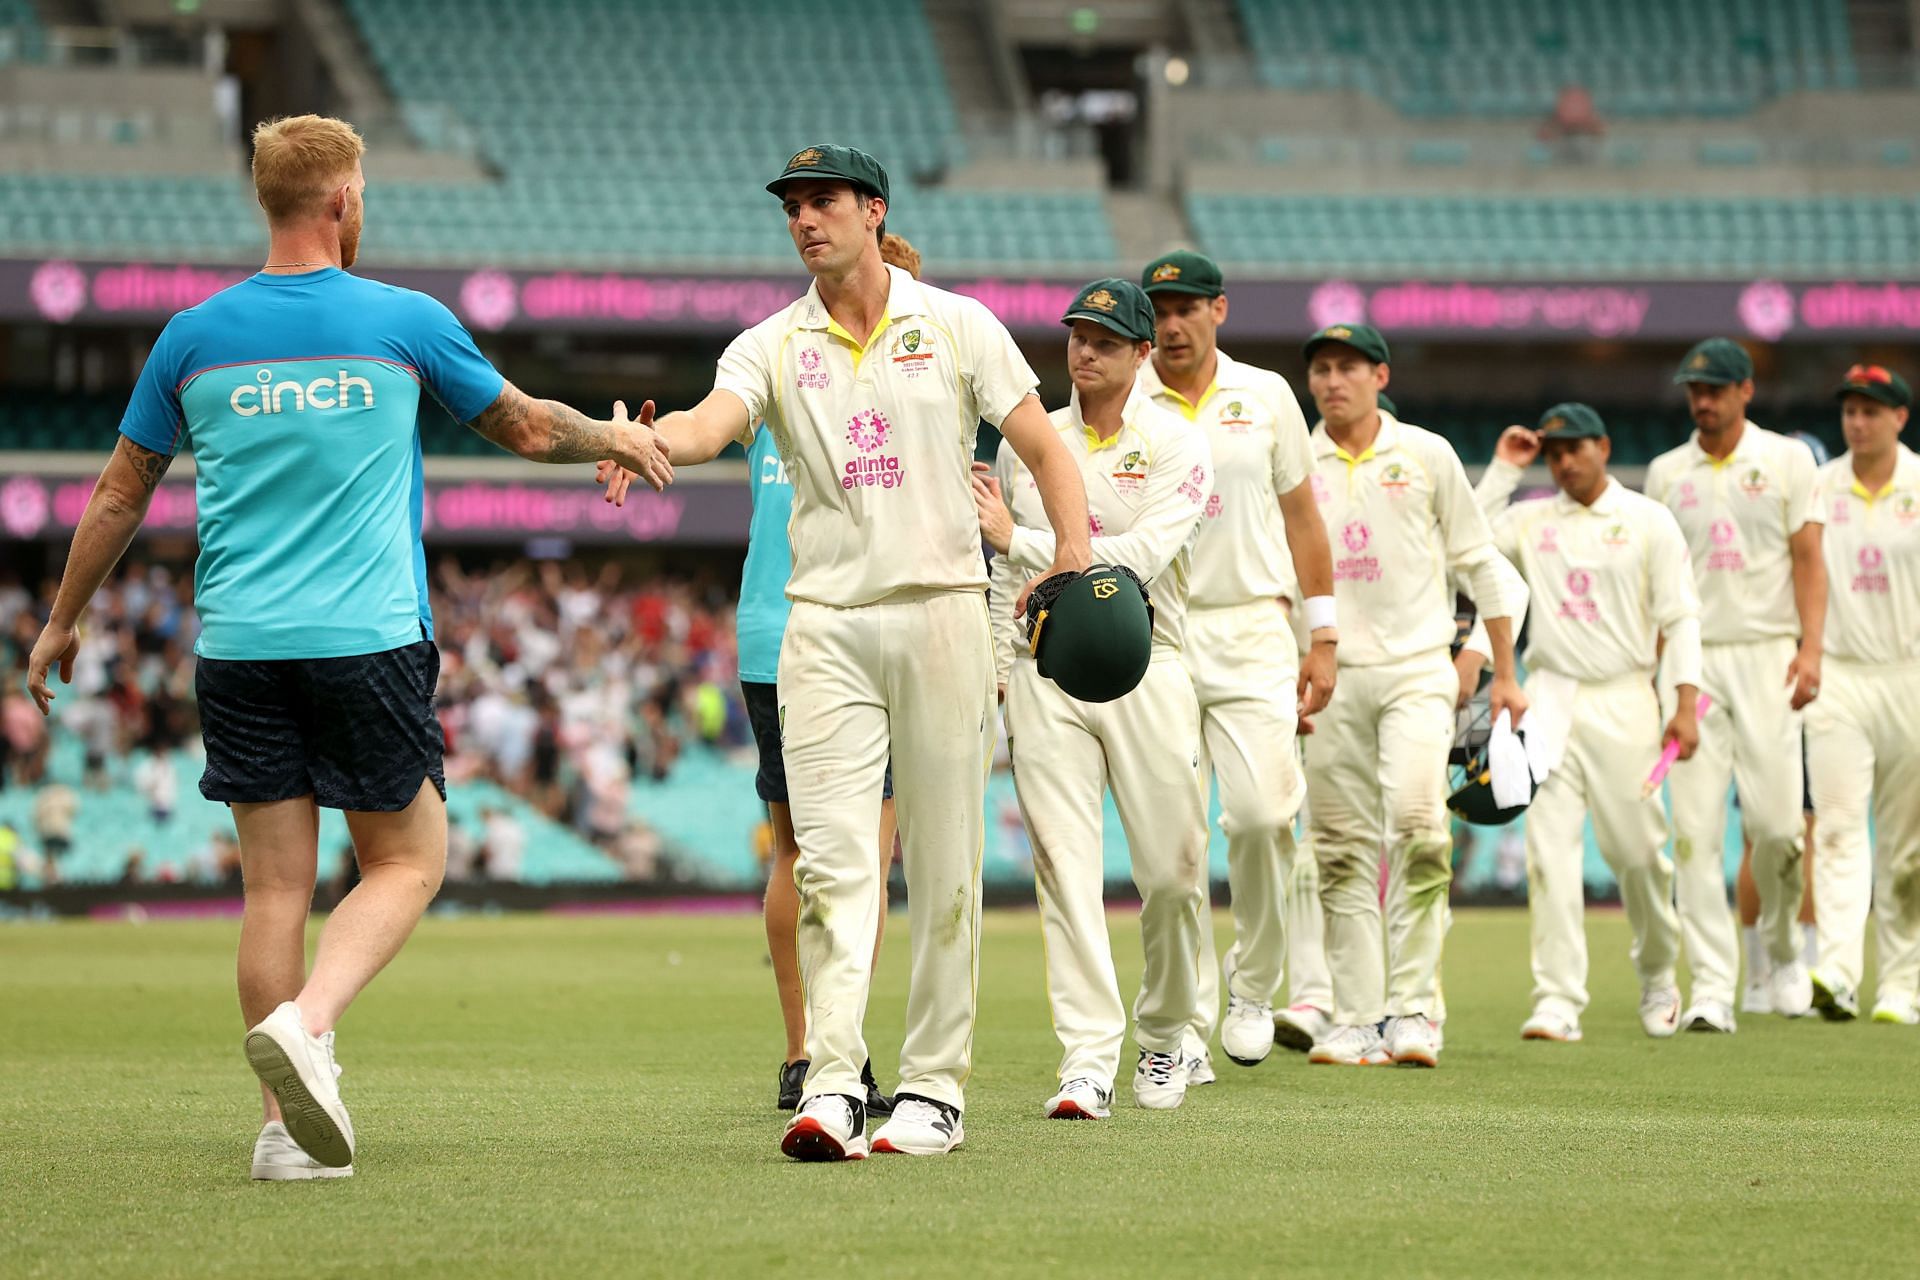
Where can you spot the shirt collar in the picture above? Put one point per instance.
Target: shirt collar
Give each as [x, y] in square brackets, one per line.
[1606, 504]
[1385, 442]
[905, 297]
[1137, 397]
[1748, 434]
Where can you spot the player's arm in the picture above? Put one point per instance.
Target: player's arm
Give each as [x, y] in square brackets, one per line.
[1514, 452]
[1313, 570]
[1477, 651]
[114, 512]
[1810, 599]
[1675, 606]
[1030, 432]
[1497, 590]
[549, 431]
[1178, 485]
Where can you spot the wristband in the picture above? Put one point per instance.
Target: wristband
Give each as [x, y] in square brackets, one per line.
[1321, 614]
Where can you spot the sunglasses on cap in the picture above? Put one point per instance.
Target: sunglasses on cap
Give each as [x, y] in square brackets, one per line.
[1869, 373]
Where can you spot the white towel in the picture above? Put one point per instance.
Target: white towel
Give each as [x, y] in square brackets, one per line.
[1507, 761]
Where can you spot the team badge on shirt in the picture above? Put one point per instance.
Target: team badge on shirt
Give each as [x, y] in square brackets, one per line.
[1394, 479]
[1235, 418]
[1906, 507]
[1615, 536]
[1753, 482]
[912, 352]
[1131, 475]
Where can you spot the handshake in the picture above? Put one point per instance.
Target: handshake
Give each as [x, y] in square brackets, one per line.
[639, 451]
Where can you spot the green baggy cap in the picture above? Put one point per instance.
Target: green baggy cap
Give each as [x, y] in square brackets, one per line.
[1877, 381]
[847, 164]
[1118, 304]
[1363, 338]
[1572, 421]
[1719, 361]
[1183, 271]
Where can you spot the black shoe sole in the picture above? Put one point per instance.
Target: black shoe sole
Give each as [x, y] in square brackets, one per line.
[1828, 1006]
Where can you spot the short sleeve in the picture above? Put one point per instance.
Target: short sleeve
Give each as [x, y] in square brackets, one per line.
[1292, 448]
[1803, 508]
[746, 369]
[450, 364]
[992, 365]
[154, 419]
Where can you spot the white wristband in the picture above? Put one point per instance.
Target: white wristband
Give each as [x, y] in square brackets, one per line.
[1321, 613]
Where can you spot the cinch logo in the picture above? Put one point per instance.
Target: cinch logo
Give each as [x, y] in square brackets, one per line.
[322, 393]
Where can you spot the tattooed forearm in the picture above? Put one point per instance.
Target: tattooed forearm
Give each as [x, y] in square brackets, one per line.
[545, 430]
[147, 465]
[574, 437]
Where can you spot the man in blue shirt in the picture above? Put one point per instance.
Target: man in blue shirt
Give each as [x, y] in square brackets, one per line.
[760, 622]
[299, 390]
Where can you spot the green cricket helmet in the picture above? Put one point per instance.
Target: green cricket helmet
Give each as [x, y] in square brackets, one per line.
[1091, 633]
[1471, 775]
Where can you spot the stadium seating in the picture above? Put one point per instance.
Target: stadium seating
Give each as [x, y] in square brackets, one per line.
[1639, 58]
[22, 38]
[1560, 237]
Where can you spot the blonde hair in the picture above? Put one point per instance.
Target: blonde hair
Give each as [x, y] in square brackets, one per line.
[299, 160]
[896, 252]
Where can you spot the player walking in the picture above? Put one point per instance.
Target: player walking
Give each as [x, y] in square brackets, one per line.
[1148, 476]
[298, 389]
[1863, 739]
[1396, 501]
[1608, 581]
[873, 386]
[1744, 500]
[1262, 539]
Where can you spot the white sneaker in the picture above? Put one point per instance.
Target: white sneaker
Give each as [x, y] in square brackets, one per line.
[1547, 1025]
[1755, 997]
[300, 1070]
[278, 1158]
[1079, 1099]
[827, 1127]
[1350, 1046]
[1300, 1026]
[1791, 990]
[1413, 1041]
[1660, 1012]
[919, 1127]
[1899, 1015]
[1198, 1059]
[1247, 1034]
[1836, 1001]
[1159, 1080]
[1709, 1015]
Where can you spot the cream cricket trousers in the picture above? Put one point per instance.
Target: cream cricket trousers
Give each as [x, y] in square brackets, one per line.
[1863, 748]
[1245, 668]
[1377, 775]
[1065, 755]
[1749, 739]
[1611, 748]
[911, 675]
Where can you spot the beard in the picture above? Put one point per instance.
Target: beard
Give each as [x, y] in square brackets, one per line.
[350, 237]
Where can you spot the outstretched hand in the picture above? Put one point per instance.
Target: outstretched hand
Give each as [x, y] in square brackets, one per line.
[645, 457]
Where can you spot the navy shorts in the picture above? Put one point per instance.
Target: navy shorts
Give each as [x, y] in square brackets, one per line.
[763, 713]
[358, 733]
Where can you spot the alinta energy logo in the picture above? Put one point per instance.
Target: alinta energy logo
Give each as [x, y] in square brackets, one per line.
[1768, 310]
[490, 299]
[59, 290]
[867, 431]
[25, 507]
[1337, 302]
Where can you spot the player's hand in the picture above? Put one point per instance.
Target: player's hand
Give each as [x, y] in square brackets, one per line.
[990, 508]
[56, 644]
[1506, 695]
[1803, 677]
[644, 455]
[1684, 728]
[1518, 445]
[1318, 671]
[1303, 727]
[1001, 697]
[1468, 665]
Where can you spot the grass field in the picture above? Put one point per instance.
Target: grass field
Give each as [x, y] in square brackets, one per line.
[593, 1096]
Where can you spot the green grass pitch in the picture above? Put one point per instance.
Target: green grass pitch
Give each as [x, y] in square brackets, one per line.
[593, 1096]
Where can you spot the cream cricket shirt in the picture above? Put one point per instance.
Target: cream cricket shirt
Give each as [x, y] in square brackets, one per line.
[1872, 546]
[879, 438]
[1258, 437]
[1604, 582]
[1147, 488]
[1400, 518]
[1737, 516]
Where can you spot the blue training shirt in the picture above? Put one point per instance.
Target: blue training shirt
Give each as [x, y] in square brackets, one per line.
[761, 619]
[301, 396]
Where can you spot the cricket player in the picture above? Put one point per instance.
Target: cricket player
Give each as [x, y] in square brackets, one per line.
[1744, 499]
[1148, 477]
[1261, 540]
[1608, 580]
[874, 386]
[1396, 501]
[760, 621]
[298, 391]
[1863, 735]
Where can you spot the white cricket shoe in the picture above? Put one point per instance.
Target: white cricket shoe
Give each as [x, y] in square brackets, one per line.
[1198, 1060]
[300, 1070]
[1247, 1034]
[1300, 1026]
[1413, 1041]
[1755, 997]
[1080, 1099]
[1351, 1046]
[1547, 1025]
[1836, 1001]
[1159, 1080]
[1709, 1015]
[1791, 990]
[919, 1127]
[827, 1127]
[1660, 1012]
[1899, 1015]
[278, 1158]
